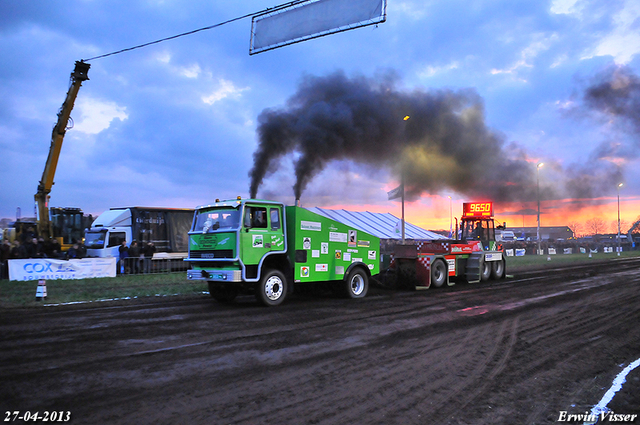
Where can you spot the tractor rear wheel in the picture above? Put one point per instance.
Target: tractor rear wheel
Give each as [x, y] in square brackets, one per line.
[498, 270]
[485, 271]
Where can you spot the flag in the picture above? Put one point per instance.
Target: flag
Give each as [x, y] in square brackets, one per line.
[395, 193]
[398, 227]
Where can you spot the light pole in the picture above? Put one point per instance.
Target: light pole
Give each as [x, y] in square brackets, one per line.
[450, 219]
[538, 196]
[406, 118]
[619, 186]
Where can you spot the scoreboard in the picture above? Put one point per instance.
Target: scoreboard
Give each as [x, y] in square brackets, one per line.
[477, 209]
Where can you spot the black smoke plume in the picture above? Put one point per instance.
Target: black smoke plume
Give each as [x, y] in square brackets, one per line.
[616, 92]
[444, 144]
[613, 97]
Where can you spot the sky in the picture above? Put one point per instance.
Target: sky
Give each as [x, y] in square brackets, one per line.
[492, 88]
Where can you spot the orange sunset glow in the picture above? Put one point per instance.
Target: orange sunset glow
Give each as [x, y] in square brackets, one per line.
[432, 212]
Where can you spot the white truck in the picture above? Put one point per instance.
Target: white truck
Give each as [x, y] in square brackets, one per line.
[505, 236]
[167, 228]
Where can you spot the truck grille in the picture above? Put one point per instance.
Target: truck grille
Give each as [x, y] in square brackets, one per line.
[221, 253]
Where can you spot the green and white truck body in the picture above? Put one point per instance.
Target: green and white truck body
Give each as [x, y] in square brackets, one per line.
[262, 247]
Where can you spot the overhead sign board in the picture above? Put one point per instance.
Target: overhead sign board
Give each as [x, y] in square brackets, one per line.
[311, 19]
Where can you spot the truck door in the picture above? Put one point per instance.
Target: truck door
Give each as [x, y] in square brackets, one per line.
[263, 231]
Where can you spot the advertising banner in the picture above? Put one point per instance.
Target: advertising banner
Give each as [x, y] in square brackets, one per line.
[49, 268]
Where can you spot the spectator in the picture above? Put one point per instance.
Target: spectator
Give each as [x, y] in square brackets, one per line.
[123, 254]
[134, 254]
[31, 246]
[5, 254]
[149, 250]
[55, 250]
[72, 252]
[40, 250]
[18, 250]
[82, 250]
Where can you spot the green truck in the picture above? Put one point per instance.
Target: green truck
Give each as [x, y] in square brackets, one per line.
[263, 247]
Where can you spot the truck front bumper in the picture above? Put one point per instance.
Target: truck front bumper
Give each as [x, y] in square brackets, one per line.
[215, 275]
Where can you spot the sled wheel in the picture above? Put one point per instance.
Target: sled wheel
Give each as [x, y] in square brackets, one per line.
[438, 273]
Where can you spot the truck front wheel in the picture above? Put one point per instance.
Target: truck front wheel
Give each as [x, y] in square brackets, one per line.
[357, 284]
[272, 288]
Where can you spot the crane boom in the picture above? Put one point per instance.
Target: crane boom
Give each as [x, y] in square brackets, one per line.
[78, 75]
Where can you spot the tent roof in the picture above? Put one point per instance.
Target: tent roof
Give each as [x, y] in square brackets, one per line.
[382, 225]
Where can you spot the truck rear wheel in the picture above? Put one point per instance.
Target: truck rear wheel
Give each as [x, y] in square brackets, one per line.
[498, 269]
[357, 284]
[272, 288]
[485, 272]
[222, 294]
[438, 273]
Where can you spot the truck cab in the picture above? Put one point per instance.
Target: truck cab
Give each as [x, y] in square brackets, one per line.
[107, 232]
[232, 242]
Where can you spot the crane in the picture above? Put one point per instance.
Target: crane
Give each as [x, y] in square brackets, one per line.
[44, 223]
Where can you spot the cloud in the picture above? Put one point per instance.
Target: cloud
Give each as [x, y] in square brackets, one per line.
[563, 6]
[96, 115]
[226, 89]
[192, 71]
[623, 41]
[542, 43]
[430, 71]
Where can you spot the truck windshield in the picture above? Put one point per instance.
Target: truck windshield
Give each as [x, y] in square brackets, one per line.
[214, 219]
[478, 229]
[94, 240]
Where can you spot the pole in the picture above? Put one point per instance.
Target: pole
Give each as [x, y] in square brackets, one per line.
[405, 119]
[402, 184]
[450, 219]
[538, 196]
[619, 185]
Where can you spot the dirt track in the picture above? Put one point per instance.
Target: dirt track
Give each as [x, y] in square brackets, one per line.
[517, 351]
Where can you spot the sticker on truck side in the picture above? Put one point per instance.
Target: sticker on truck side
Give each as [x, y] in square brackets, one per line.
[452, 266]
[337, 237]
[311, 225]
[353, 237]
